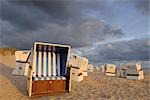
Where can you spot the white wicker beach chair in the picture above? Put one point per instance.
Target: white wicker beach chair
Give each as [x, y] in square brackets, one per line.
[79, 67]
[90, 68]
[134, 71]
[110, 69]
[22, 64]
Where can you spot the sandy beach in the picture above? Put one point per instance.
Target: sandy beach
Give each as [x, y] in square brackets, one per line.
[94, 87]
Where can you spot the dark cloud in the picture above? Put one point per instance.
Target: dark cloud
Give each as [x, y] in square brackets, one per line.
[136, 49]
[78, 35]
[60, 9]
[142, 6]
[52, 21]
[69, 22]
[23, 18]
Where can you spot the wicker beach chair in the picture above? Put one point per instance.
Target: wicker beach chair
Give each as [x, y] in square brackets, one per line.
[48, 71]
[22, 64]
[134, 71]
[110, 69]
[79, 67]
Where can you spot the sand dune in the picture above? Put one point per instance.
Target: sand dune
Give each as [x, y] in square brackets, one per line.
[7, 51]
[94, 87]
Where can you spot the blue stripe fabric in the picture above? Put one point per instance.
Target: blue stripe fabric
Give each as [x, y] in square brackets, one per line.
[60, 64]
[50, 78]
[51, 63]
[56, 64]
[60, 77]
[39, 78]
[45, 78]
[56, 77]
[42, 60]
[47, 60]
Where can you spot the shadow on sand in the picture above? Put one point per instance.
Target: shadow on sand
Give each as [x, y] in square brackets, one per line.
[20, 82]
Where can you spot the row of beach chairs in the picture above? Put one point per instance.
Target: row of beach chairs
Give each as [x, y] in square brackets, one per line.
[50, 69]
[128, 71]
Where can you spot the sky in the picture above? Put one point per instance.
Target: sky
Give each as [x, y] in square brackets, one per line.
[101, 30]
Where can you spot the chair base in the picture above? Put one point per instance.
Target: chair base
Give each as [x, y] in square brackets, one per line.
[48, 87]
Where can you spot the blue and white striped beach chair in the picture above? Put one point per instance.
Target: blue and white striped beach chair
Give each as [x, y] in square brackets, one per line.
[48, 71]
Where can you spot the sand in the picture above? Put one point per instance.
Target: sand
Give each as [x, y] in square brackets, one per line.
[94, 87]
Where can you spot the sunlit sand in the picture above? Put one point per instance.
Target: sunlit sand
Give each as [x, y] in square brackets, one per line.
[94, 87]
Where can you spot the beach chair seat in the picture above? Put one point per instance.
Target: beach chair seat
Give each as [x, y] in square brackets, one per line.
[49, 78]
[132, 74]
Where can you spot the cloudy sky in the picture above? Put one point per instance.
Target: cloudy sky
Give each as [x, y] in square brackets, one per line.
[101, 30]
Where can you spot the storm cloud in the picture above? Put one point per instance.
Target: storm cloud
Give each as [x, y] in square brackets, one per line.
[80, 24]
[127, 50]
[143, 6]
[52, 21]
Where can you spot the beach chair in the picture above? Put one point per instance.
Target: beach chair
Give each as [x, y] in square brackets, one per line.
[103, 69]
[134, 71]
[49, 73]
[110, 69]
[22, 64]
[79, 67]
[90, 68]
